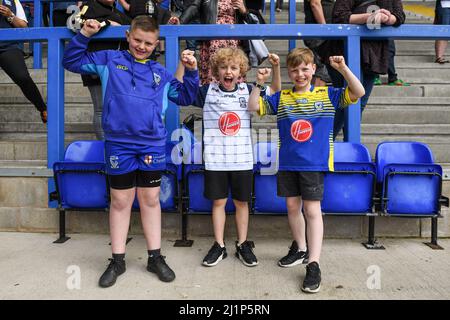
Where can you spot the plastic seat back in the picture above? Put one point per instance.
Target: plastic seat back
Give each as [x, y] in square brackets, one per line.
[265, 187]
[402, 152]
[349, 189]
[410, 180]
[81, 178]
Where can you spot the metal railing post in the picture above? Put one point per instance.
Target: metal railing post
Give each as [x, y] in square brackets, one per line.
[37, 46]
[55, 106]
[353, 113]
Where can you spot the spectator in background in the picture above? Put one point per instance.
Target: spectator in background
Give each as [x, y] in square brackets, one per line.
[214, 12]
[318, 12]
[374, 54]
[393, 79]
[179, 7]
[60, 14]
[279, 6]
[11, 57]
[254, 4]
[102, 10]
[442, 16]
[151, 8]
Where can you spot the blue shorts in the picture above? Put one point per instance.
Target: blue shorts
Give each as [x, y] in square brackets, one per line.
[123, 158]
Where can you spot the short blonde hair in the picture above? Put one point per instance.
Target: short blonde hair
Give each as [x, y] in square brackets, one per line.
[298, 56]
[226, 55]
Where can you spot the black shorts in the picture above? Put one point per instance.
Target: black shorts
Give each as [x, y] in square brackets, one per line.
[218, 183]
[137, 178]
[308, 185]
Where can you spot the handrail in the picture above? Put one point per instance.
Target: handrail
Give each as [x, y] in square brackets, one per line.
[352, 34]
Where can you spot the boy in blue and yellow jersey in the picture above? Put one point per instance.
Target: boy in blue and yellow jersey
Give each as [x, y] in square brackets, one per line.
[135, 91]
[305, 121]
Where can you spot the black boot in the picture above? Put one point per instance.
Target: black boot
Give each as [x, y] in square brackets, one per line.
[109, 277]
[159, 266]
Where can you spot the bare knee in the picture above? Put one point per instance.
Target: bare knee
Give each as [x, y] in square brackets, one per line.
[148, 199]
[311, 209]
[293, 205]
[220, 203]
[240, 204]
[121, 202]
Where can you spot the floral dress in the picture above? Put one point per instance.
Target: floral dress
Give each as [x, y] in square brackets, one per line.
[225, 15]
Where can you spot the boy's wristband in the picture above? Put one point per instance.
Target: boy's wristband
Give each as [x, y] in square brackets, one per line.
[259, 86]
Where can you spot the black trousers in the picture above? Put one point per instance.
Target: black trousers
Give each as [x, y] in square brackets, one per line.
[13, 63]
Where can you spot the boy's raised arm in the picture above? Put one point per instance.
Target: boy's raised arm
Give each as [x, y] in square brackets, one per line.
[355, 88]
[261, 77]
[185, 85]
[76, 57]
[275, 86]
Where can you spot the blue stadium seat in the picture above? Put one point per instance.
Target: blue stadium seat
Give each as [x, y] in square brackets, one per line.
[350, 188]
[409, 179]
[80, 180]
[266, 200]
[194, 178]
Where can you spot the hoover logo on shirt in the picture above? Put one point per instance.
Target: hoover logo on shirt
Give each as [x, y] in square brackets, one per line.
[229, 123]
[301, 130]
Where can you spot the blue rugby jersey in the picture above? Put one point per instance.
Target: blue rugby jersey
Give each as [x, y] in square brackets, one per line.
[305, 123]
[135, 92]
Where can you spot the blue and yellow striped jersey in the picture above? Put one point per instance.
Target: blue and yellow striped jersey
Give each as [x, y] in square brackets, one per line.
[305, 123]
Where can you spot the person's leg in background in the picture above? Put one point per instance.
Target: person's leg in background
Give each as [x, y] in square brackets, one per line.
[13, 63]
[279, 5]
[442, 18]
[339, 117]
[97, 101]
[393, 79]
[60, 18]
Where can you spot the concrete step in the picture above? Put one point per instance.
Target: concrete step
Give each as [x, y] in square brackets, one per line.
[32, 146]
[26, 113]
[17, 127]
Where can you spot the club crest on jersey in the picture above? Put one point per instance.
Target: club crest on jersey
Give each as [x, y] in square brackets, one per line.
[301, 130]
[318, 105]
[157, 78]
[243, 103]
[229, 123]
[114, 161]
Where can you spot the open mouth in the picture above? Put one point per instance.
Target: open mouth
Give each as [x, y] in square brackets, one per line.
[227, 81]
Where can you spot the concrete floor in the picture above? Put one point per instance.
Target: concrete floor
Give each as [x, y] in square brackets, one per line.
[32, 267]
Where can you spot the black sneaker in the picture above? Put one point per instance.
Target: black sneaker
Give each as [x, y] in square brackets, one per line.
[244, 252]
[311, 283]
[109, 277]
[294, 257]
[159, 266]
[215, 255]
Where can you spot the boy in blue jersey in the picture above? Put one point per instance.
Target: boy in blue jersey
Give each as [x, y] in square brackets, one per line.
[135, 91]
[305, 121]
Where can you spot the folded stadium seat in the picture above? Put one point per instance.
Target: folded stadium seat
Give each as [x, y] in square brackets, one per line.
[349, 190]
[410, 182]
[266, 200]
[80, 180]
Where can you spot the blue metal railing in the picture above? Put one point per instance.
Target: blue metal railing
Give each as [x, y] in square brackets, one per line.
[37, 47]
[352, 34]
